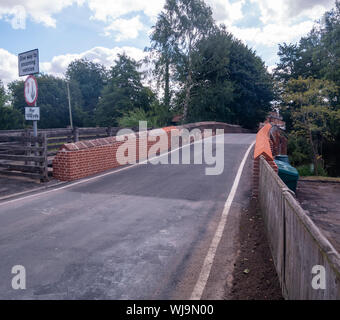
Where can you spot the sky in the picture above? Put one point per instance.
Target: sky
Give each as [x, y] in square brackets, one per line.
[65, 30]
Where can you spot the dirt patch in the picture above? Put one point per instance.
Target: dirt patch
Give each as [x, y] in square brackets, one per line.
[254, 275]
[322, 201]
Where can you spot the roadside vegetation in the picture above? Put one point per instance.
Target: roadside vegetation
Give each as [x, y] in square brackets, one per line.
[307, 82]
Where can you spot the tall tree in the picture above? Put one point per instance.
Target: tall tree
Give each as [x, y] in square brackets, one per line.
[162, 50]
[309, 101]
[90, 78]
[123, 93]
[180, 27]
[231, 83]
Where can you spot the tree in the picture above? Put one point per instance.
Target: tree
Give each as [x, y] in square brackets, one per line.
[157, 116]
[181, 25]
[3, 96]
[162, 52]
[52, 100]
[311, 108]
[90, 78]
[231, 82]
[212, 96]
[9, 118]
[316, 56]
[123, 93]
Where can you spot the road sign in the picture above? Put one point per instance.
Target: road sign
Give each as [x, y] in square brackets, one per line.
[31, 90]
[28, 62]
[32, 113]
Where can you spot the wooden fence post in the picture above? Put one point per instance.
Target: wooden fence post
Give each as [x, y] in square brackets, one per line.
[109, 131]
[45, 160]
[26, 134]
[75, 134]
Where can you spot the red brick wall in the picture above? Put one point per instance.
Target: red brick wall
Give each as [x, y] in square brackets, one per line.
[84, 158]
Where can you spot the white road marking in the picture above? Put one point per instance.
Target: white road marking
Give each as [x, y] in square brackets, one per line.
[99, 176]
[209, 259]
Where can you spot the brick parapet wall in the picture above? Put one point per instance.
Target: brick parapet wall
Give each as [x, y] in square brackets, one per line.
[264, 146]
[84, 158]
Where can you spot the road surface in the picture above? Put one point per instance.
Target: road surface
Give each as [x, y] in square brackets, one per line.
[138, 233]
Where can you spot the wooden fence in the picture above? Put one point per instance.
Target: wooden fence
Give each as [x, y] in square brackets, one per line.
[22, 154]
[296, 243]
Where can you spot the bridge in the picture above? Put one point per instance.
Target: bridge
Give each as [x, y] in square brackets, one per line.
[153, 229]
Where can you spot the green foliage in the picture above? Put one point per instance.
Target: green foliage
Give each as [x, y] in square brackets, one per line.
[157, 116]
[299, 151]
[52, 100]
[231, 83]
[180, 27]
[123, 93]
[90, 78]
[309, 101]
[3, 96]
[307, 171]
[10, 118]
[308, 88]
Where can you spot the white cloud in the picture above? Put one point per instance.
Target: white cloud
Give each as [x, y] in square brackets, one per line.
[58, 65]
[225, 11]
[107, 10]
[8, 66]
[272, 34]
[41, 11]
[126, 28]
[286, 11]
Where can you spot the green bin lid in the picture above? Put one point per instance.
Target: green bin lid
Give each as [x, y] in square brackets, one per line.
[282, 157]
[286, 168]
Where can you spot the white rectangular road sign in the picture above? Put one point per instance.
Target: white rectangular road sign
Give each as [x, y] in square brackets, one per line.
[32, 113]
[28, 62]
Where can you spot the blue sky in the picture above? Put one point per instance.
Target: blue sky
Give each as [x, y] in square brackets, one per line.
[65, 30]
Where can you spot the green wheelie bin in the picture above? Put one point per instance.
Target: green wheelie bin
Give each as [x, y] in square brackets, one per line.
[288, 174]
[282, 157]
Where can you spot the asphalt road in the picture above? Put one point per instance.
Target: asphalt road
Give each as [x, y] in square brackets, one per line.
[139, 233]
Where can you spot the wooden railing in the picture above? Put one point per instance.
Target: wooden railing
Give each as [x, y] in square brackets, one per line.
[22, 154]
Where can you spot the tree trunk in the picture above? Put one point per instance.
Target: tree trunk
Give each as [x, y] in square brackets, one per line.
[188, 86]
[315, 154]
[167, 85]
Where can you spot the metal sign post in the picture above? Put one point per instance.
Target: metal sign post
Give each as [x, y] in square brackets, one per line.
[31, 96]
[28, 64]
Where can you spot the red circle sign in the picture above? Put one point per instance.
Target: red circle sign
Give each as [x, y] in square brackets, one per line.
[31, 90]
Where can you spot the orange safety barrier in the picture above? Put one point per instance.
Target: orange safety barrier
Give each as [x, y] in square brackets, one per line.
[262, 146]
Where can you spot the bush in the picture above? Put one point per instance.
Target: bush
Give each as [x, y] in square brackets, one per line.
[305, 171]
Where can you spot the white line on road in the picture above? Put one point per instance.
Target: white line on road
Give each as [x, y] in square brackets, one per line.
[209, 259]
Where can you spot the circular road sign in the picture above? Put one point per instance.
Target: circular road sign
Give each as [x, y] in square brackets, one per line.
[31, 90]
